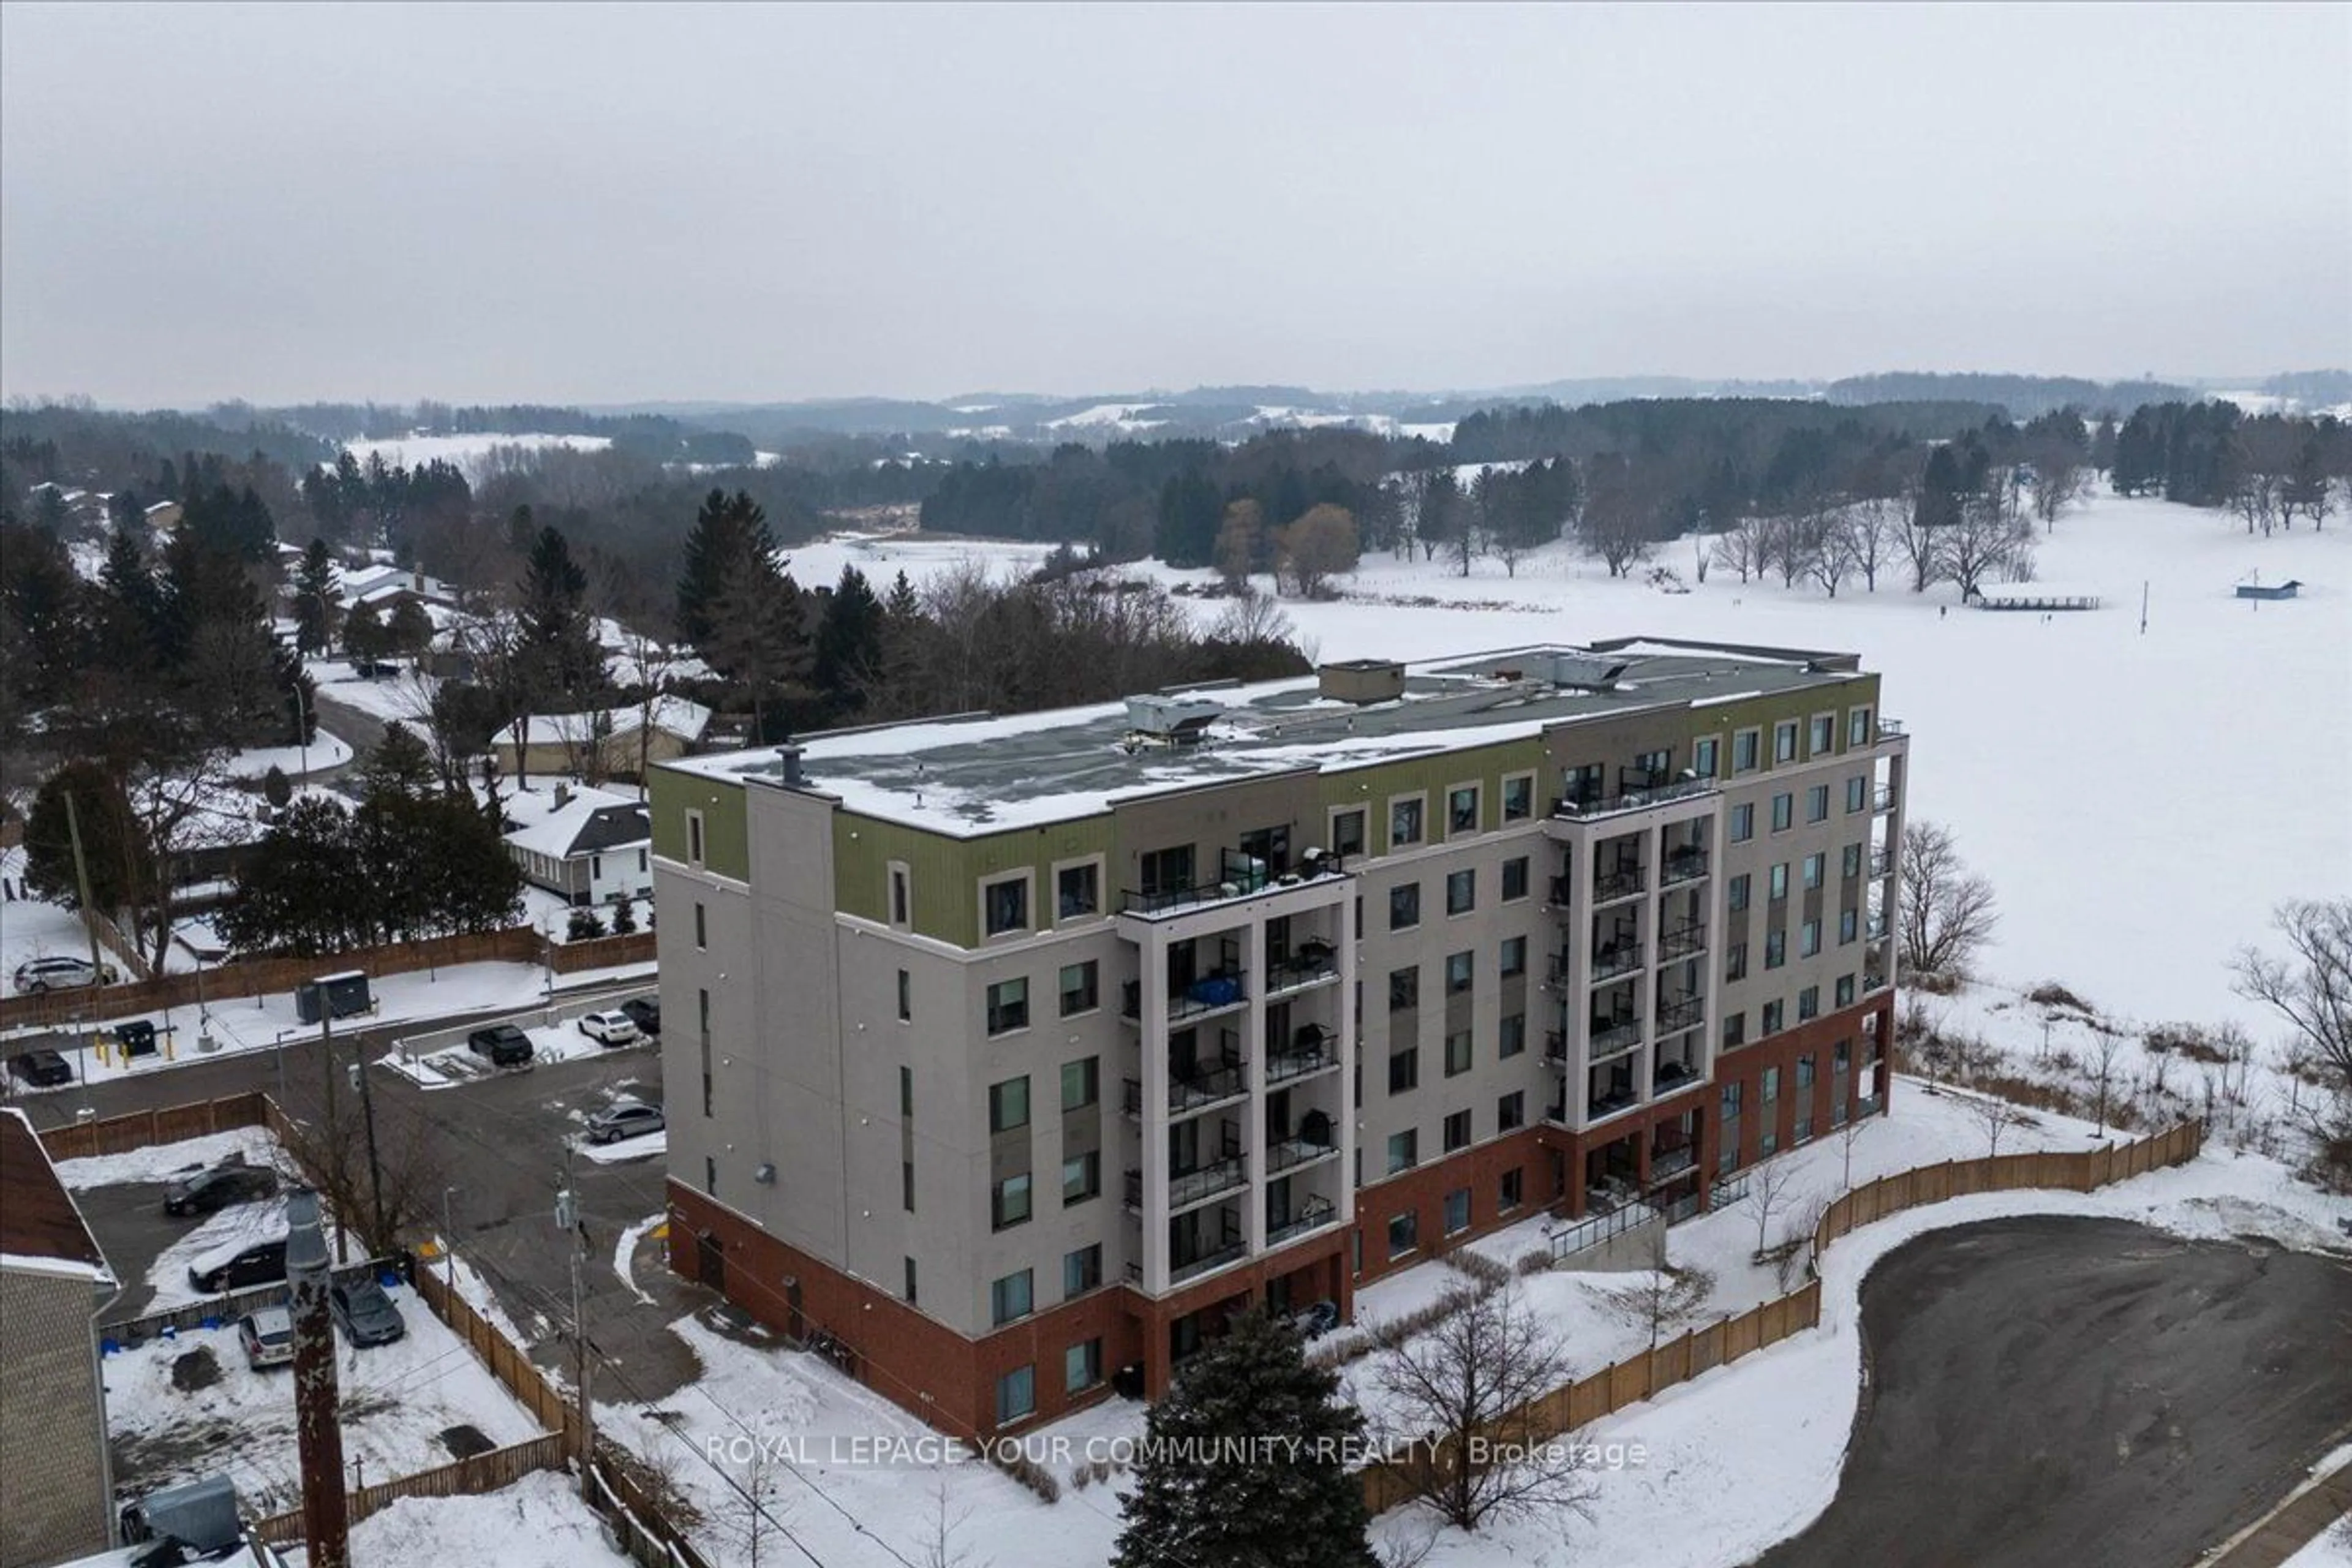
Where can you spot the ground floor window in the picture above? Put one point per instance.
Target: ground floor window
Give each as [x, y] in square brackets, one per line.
[1507, 1195]
[1017, 1395]
[1403, 1230]
[1082, 1365]
[1457, 1210]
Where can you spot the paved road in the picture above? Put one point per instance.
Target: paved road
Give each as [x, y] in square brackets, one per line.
[2051, 1392]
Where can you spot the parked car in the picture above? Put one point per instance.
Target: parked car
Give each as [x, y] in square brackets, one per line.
[237, 1265]
[646, 1013]
[366, 1314]
[42, 1068]
[268, 1335]
[211, 1190]
[631, 1121]
[38, 974]
[503, 1044]
[614, 1029]
[1317, 1320]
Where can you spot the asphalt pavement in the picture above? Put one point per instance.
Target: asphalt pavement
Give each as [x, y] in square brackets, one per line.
[2059, 1392]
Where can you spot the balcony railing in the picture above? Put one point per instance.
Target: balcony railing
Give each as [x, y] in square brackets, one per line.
[1303, 1056]
[1556, 1044]
[1558, 968]
[1182, 1269]
[1871, 983]
[1682, 941]
[1208, 994]
[1669, 1163]
[1619, 958]
[1563, 890]
[1303, 968]
[1679, 1014]
[1609, 1039]
[1621, 883]
[1687, 865]
[1890, 728]
[1671, 1076]
[1239, 876]
[1225, 1079]
[1186, 1188]
[1292, 1151]
[1881, 863]
[1882, 798]
[1875, 931]
[1314, 1213]
[1611, 1103]
[1583, 810]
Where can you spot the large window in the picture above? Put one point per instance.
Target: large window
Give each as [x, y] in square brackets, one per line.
[1012, 1297]
[1082, 1365]
[1457, 1211]
[1776, 949]
[1780, 881]
[1735, 892]
[1735, 962]
[1403, 1231]
[1405, 1071]
[1509, 1193]
[1081, 1270]
[1518, 797]
[1404, 822]
[1809, 939]
[1784, 741]
[1008, 1006]
[1857, 794]
[1848, 926]
[1774, 1015]
[1461, 891]
[1743, 752]
[1857, 726]
[1460, 970]
[1079, 988]
[1017, 1395]
[1824, 735]
[1347, 833]
[1515, 956]
[1515, 878]
[1081, 1083]
[1008, 1202]
[1814, 865]
[1743, 822]
[1511, 1036]
[1457, 1053]
[1457, 1131]
[1081, 1177]
[1809, 1003]
[1077, 891]
[1006, 903]
[1817, 803]
[1404, 906]
[1166, 870]
[1784, 812]
[1404, 1150]
[1462, 811]
[1008, 1105]
[1703, 757]
[1404, 989]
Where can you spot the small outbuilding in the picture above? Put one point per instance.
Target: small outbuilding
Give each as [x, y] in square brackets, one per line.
[2286, 590]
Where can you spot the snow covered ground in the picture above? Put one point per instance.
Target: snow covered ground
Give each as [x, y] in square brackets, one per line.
[538, 1522]
[406, 695]
[467, 452]
[161, 1161]
[326, 752]
[398, 1400]
[447, 1066]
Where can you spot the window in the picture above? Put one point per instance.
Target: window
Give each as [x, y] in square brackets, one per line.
[1457, 1131]
[1081, 1083]
[1405, 1071]
[1081, 1177]
[1844, 990]
[1743, 750]
[1507, 1195]
[1404, 906]
[1823, 734]
[1404, 1150]
[1515, 878]
[1743, 822]
[1403, 1230]
[1731, 1092]
[1850, 861]
[1460, 970]
[1817, 803]
[1809, 939]
[1776, 949]
[1511, 1036]
[1077, 891]
[1460, 892]
[1841, 1055]
[1654, 765]
[701, 926]
[1008, 1006]
[909, 1292]
[1080, 989]
[710, 1174]
[1347, 833]
[1735, 962]
[906, 1186]
[902, 899]
[703, 999]
[1008, 1105]
[1457, 1053]
[1734, 1030]
[1857, 726]
[1511, 1111]
[1006, 905]
[905, 997]
[1515, 956]
[1457, 1211]
[1518, 797]
[1768, 1144]
[1461, 811]
[1857, 794]
[1703, 759]
[1081, 1270]
[1778, 883]
[694, 839]
[1809, 1003]
[1804, 1130]
[1784, 741]
[1008, 1203]
[1784, 812]
[1738, 892]
[1082, 1365]
[907, 1092]
[1404, 989]
[1017, 1395]
[1771, 1085]
[1010, 1297]
[1805, 1070]
[1774, 1012]
[1814, 864]
[1404, 822]
[1166, 870]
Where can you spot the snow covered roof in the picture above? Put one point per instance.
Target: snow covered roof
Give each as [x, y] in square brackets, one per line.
[375, 585]
[675, 715]
[982, 773]
[41, 1228]
[586, 819]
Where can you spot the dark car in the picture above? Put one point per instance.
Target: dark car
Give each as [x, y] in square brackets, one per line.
[256, 1263]
[366, 1314]
[503, 1044]
[645, 1012]
[209, 1191]
[42, 1068]
[620, 1122]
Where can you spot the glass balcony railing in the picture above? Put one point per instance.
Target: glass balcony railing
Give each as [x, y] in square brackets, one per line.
[1305, 967]
[1239, 876]
[1585, 808]
[1682, 941]
[1685, 865]
[1289, 1152]
[1313, 1214]
[1198, 1187]
[1310, 1055]
[1681, 1013]
[1610, 1039]
[1621, 883]
[1618, 958]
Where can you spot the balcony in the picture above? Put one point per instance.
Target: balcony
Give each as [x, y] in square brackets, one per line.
[1876, 930]
[1881, 863]
[1213, 992]
[1682, 941]
[1621, 883]
[1672, 1075]
[1689, 864]
[1556, 1046]
[1577, 809]
[1610, 1040]
[1557, 970]
[1239, 876]
[1188, 1189]
[1619, 1098]
[1667, 1164]
[1311, 965]
[1681, 1013]
[1618, 958]
[1563, 890]
[1882, 798]
[1226, 1078]
[1871, 983]
[1312, 1051]
[1289, 1153]
[1889, 730]
[1313, 1215]
[1205, 1253]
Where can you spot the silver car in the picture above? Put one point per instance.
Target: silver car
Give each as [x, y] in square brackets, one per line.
[268, 1335]
[619, 1122]
[37, 975]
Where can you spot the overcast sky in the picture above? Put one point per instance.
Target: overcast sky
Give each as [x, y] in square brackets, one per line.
[603, 204]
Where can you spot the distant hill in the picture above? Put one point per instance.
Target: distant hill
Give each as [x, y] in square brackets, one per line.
[2023, 396]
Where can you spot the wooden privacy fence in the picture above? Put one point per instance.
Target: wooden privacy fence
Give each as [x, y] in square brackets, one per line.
[1390, 1482]
[461, 1478]
[140, 1129]
[229, 1308]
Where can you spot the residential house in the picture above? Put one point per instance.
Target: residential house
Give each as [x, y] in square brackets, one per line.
[605, 743]
[589, 845]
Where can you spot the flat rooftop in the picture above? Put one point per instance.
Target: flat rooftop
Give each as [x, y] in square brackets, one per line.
[979, 773]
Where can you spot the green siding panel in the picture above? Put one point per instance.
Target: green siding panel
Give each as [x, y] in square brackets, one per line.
[725, 837]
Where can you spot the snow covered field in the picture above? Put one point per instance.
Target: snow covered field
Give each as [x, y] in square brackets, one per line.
[467, 452]
[538, 1522]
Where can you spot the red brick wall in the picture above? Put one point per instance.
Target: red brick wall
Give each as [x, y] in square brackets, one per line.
[1422, 1190]
[1818, 1036]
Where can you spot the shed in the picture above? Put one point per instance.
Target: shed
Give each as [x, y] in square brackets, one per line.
[2269, 590]
[199, 1515]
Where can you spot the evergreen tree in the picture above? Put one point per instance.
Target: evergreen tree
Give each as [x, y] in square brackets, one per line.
[317, 593]
[1196, 1505]
[363, 634]
[409, 632]
[131, 616]
[1190, 509]
[729, 537]
[848, 643]
[559, 639]
[399, 766]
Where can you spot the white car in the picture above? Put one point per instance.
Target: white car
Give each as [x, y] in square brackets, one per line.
[609, 1028]
[38, 975]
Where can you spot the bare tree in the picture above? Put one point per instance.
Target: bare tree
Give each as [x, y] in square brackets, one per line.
[1831, 553]
[1251, 617]
[1989, 537]
[1848, 1136]
[943, 1524]
[1663, 1301]
[2311, 987]
[1466, 1393]
[1947, 911]
[1916, 544]
[1994, 1117]
[1741, 548]
[1240, 539]
[330, 1151]
[1620, 513]
[2106, 1047]
[1317, 547]
[2058, 475]
[1768, 1187]
[1870, 530]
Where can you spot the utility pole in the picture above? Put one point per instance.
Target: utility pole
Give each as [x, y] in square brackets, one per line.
[318, 1431]
[381, 1242]
[449, 1239]
[334, 1132]
[567, 1218]
[90, 929]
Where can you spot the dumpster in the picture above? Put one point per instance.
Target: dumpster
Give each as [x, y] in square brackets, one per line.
[342, 996]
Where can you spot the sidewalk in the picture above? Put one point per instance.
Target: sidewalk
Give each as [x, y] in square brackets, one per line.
[2293, 1525]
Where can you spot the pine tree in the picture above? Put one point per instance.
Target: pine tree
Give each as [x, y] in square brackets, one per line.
[316, 593]
[399, 766]
[1195, 1504]
[729, 537]
[559, 639]
[848, 643]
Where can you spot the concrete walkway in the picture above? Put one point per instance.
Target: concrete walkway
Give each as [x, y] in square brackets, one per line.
[2291, 1526]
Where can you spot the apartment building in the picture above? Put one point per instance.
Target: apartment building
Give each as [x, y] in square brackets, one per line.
[1011, 1055]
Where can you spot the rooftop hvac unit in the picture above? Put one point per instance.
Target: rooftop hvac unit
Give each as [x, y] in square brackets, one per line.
[1172, 720]
[1584, 672]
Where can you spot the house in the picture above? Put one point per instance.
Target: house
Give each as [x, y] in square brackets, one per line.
[1078, 998]
[589, 845]
[53, 1283]
[164, 517]
[604, 742]
[2286, 590]
[385, 587]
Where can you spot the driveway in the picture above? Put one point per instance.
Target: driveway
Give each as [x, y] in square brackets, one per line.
[2053, 1392]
